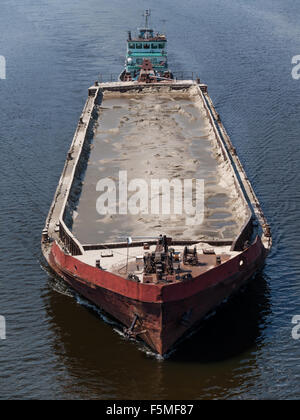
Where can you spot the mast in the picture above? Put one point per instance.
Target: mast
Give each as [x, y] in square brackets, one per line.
[147, 15]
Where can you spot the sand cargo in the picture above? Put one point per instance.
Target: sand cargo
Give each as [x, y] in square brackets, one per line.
[154, 219]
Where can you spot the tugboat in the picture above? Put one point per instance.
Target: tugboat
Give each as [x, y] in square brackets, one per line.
[146, 57]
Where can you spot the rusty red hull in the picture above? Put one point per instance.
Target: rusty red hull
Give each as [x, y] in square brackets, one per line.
[165, 312]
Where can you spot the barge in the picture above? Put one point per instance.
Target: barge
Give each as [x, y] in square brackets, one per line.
[157, 272]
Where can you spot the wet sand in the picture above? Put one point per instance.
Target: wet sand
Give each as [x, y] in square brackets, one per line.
[157, 135]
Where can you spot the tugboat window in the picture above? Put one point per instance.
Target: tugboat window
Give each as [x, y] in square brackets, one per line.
[132, 46]
[147, 46]
[154, 46]
[161, 46]
[139, 46]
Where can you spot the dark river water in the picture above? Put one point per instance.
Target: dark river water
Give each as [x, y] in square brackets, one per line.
[57, 347]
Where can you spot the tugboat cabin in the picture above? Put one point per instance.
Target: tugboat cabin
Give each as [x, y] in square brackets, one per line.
[148, 46]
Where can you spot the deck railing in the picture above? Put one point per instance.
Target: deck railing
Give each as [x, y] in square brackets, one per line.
[178, 75]
[66, 236]
[69, 240]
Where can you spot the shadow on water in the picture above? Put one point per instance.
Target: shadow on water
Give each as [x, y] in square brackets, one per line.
[103, 364]
[234, 328]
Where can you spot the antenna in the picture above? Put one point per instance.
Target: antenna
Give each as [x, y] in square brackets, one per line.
[147, 15]
[129, 242]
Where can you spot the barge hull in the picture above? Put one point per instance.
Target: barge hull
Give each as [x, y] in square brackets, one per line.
[165, 317]
[158, 313]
